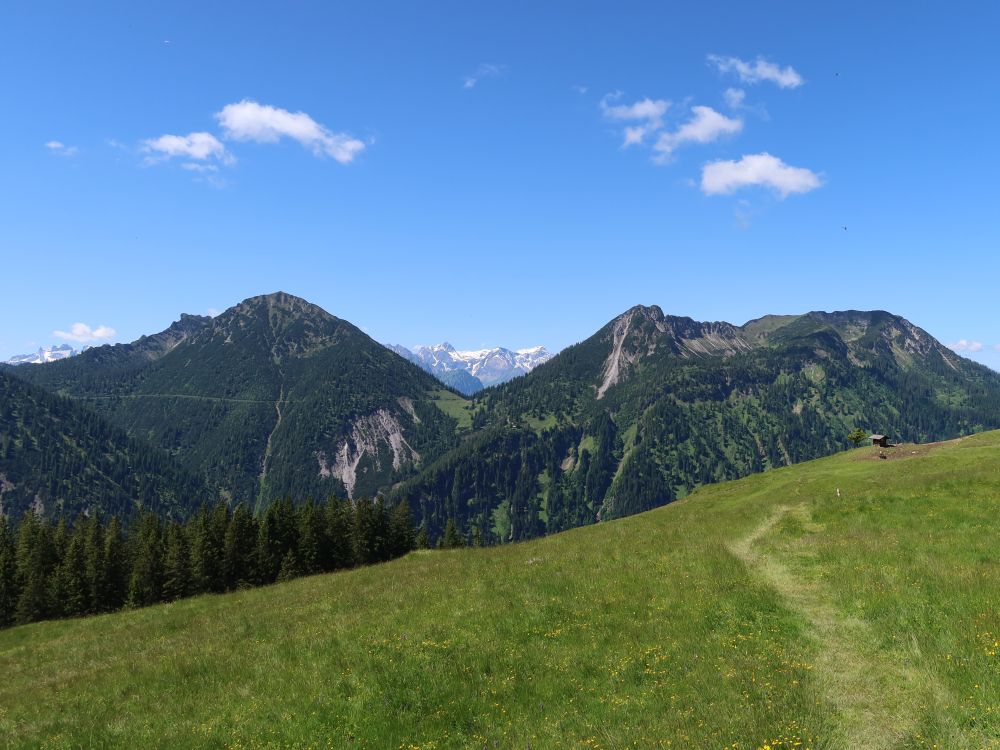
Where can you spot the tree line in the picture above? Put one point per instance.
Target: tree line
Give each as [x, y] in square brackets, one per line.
[57, 568]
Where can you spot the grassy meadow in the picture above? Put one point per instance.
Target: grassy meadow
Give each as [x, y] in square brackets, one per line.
[849, 602]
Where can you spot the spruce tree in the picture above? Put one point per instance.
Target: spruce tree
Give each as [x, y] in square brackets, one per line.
[116, 568]
[35, 561]
[278, 534]
[238, 548]
[8, 573]
[423, 540]
[312, 546]
[381, 540]
[339, 534]
[400, 529]
[452, 538]
[71, 592]
[290, 567]
[146, 581]
[94, 567]
[218, 524]
[364, 534]
[176, 564]
[206, 539]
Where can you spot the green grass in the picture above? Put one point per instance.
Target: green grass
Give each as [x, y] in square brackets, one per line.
[456, 407]
[758, 613]
[539, 425]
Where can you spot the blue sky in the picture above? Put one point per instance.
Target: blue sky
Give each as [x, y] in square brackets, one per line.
[497, 173]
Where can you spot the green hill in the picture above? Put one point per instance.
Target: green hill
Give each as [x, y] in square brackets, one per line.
[848, 602]
[58, 457]
[274, 397]
[654, 405]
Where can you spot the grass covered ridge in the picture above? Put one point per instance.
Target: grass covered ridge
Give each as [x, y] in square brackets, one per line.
[758, 613]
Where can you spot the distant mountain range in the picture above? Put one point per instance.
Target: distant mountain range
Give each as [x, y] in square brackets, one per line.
[276, 397]
[44, 354]
[471, 371]
[654, 405]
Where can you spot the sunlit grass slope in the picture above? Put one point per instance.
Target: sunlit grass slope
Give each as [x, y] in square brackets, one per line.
[759, 613]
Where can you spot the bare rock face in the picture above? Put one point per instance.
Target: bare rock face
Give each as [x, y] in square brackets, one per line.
[643, 331]
[374, 439]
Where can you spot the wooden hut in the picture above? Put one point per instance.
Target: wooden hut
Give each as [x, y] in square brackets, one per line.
[880, 440]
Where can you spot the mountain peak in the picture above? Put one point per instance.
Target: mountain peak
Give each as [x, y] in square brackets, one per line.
[649, 312]
[281, 302]
[467, 370]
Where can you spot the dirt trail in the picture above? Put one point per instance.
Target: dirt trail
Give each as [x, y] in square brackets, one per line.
[878, 695]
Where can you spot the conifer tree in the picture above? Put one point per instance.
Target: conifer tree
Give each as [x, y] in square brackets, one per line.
[8, 573]
[339, 534]
[146, 581]
[95, 570]
[290, 567]
[364, 534]
[176, 564]
[452, 538]
[206, 539]
[312, 546]
[218, 524]
[400, 529]
[276, 537]
[59, 537]
[381, 539]
[116, 568]
[238, 548]
[422, 541]
[35, 561]
[70, 589]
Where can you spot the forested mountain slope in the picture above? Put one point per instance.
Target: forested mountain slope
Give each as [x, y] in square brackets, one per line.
[654, 405]
[276, 397]
[273, 397]
[58, 457]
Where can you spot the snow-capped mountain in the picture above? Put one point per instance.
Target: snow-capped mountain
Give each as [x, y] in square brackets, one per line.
[44, 354]
[487, 366]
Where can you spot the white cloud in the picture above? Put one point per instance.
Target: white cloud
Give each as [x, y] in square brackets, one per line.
[84, 334]
[757, 71]
[198, 146]
[706, 126]
[996, 347]
[58, 147]
[723, 177]
[250, 121]
[648, 113]
[199, 168]
[734, 98]
[580, 89]
[651, 110]
[485, 70]
[213, 312]
[964, 345]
